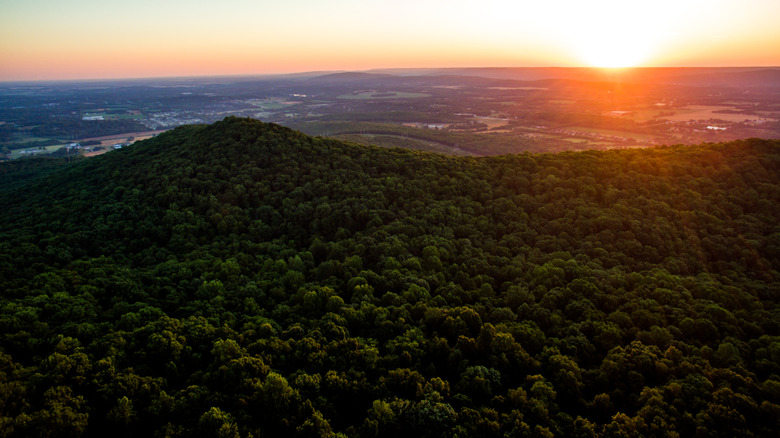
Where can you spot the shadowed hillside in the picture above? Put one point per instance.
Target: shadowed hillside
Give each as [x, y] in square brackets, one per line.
[243, 278]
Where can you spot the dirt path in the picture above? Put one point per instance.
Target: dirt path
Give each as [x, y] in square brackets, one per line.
[125, 135]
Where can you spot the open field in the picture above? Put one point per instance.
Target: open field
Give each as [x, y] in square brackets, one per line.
[25, 142]
[95, 153]
[106, 142]
[386, 140]
[706, 112]
[494, 131]
[271, 104]
[130, 116]
[639, 115]
[19, 153]
[22, 141]
[493, 122]
[584, 141]
[610, 133]
[561, 102]
[142, 135]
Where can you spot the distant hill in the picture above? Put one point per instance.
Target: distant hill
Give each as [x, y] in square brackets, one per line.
[742, 77]
[243, 278]
[345, 77]
[747, 79]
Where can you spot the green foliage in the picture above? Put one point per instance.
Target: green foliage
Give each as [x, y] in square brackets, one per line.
[243, 279]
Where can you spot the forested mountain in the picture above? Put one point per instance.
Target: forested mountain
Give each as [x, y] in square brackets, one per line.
[244, 279]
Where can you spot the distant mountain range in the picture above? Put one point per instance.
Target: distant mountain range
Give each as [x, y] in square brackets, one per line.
[720, 76]
[745, 77]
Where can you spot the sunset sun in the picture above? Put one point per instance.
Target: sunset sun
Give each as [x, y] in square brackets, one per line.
[616, 34]
[614, 49]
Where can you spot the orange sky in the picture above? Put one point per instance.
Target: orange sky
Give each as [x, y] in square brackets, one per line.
[79, 39]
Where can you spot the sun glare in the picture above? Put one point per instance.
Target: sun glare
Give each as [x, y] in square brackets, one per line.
[617, 34]
[616, 50]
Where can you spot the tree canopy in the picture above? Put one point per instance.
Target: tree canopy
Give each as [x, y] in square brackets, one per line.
[243, 279]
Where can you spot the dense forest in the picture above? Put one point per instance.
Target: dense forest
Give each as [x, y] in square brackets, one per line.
[244, 279]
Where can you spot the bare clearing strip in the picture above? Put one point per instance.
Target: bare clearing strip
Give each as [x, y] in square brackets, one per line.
[138, 136]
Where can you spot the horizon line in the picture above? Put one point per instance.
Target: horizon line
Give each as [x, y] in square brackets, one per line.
[369, 71]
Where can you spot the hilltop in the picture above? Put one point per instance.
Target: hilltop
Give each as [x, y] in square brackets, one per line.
[244, 278]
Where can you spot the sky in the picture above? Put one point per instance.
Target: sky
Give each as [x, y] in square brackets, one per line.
[89, 39]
